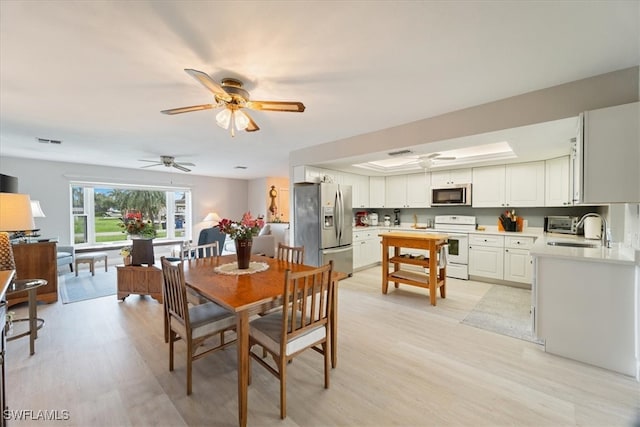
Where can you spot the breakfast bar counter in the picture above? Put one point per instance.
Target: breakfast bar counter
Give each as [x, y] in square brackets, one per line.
[434, 243]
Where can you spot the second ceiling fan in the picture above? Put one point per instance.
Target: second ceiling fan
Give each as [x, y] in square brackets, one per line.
[233, 98]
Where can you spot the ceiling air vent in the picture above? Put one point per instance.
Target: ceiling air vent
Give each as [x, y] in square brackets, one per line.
[48, 141]
[400, 152]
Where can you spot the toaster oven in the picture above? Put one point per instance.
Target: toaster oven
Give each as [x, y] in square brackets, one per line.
[561, 224]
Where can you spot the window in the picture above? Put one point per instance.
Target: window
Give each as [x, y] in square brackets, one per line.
[97, 211]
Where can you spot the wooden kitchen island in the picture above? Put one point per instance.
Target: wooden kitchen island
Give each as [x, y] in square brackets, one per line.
[436, 278]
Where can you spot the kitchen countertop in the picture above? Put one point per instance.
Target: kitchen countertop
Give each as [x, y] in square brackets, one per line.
[617, 254]
[531, 231]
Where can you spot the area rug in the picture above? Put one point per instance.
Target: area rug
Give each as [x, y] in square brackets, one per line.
[86, 286]
[504, 310]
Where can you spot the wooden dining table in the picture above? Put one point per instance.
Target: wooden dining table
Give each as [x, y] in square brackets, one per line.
[247, 295]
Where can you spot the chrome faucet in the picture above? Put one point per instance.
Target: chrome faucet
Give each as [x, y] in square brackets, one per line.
[606, 233]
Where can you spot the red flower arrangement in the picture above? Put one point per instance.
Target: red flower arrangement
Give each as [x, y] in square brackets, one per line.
[244, 229]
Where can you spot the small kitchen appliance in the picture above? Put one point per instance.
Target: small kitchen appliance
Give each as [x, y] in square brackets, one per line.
[561, 224]
[373, 218]
[592, 228]
[396, 220]
[362, 219]
[387, 220]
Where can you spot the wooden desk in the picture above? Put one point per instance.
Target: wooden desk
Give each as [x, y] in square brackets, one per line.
[246, 295]
[433, 243]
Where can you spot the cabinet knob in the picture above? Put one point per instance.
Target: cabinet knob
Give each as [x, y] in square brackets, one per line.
[506, 250]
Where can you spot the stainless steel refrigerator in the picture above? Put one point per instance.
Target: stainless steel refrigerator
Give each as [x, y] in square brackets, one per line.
[322, 223]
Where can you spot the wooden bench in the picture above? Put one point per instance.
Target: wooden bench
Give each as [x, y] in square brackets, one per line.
[91, 258]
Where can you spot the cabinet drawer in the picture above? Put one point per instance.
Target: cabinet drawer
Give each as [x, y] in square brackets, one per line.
[518, 242]
[489, 240]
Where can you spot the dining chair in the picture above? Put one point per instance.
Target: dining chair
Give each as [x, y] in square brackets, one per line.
[301, 324]
[195, 324]
[206, 250]
[293, 254]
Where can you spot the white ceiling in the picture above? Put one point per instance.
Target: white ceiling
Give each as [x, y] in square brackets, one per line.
[95, 74]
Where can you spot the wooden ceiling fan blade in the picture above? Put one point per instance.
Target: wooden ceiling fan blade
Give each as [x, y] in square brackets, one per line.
[296, 107]
[185, 163]
[206, 81]
[252, 126]
[188, 109]
[150, 166]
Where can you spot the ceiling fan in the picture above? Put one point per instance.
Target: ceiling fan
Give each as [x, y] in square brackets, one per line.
[168, 161]
[426, 162]
[230, 95]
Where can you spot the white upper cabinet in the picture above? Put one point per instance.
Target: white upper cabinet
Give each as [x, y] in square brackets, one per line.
[557, 182]
[524, 184]
[611, 162]
[359, 189]
[515, 185]
[451, 177]
[377, 187]
[418, 190]
[407, 191]
[488, 187]
[395, 191]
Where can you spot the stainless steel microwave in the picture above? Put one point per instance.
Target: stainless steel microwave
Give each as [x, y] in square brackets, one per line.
[453, 195]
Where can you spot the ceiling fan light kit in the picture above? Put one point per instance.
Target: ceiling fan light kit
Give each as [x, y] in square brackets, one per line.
[233, 98]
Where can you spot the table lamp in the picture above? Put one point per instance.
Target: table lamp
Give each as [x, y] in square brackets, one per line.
[213, 218]
[15, 216]
[36, 209]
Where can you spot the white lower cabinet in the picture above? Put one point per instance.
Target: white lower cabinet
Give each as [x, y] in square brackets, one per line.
[366, 248]
[518, 264]
[486, 261]
[501, 257]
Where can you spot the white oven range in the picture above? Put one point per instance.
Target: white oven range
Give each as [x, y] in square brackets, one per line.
[458, 228]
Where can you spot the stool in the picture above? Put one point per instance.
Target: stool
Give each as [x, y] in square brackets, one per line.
[91, 258]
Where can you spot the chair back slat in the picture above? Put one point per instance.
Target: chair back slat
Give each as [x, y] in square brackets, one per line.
[309, 294]
[175, 291]
[207, 250]
[294, 254]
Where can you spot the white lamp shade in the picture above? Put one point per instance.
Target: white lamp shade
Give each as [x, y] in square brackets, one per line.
[223, 118]
[15, 212]
[212, 217]
[36, 209]
[241, 120]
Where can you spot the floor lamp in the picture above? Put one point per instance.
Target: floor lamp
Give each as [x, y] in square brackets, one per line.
[15, 217]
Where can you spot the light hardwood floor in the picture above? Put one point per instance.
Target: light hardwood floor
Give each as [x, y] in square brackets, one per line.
[401, 362]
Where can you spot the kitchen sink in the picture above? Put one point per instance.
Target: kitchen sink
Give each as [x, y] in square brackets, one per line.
[574, 244]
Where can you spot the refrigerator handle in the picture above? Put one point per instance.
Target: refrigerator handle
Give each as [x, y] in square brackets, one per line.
[336, 215]
[340, 215]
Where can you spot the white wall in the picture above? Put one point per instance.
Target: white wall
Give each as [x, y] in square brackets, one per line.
[48, 182]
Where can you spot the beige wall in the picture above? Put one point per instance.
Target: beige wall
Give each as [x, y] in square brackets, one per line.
[558, 102]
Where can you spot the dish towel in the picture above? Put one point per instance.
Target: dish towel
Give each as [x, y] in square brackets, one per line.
[443, 256]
